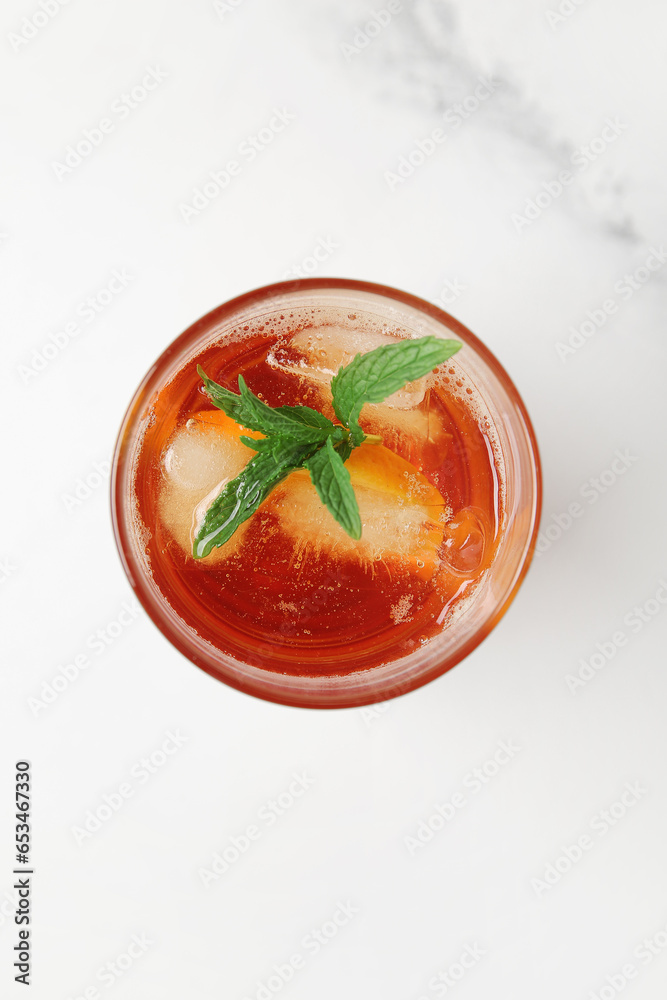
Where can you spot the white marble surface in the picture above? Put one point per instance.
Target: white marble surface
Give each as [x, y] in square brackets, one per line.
[450, 231]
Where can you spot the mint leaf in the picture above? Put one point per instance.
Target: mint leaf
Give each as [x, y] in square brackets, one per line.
[332, 482]
[250, 411]
[230, 402]
[345, 449]
[371, 377]
[241, 497]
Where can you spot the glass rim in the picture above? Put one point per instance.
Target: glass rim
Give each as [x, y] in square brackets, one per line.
[315, 692]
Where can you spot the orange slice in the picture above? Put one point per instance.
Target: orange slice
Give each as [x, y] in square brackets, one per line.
[400, 513]
[377, 468]
[219, 419]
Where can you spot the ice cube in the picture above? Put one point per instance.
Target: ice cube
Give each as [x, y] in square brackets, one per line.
[400, 524]
[406, 431]
[198, 461]
[317, 353]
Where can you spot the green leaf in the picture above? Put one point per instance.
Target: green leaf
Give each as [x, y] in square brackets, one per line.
[332, 482]
[241, 496]
[230, 402]
[344, 449]
[371, 377]
[250, 411]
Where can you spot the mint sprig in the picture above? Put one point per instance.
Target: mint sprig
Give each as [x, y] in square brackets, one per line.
[300, 437]
[371, 377]
[251, 412]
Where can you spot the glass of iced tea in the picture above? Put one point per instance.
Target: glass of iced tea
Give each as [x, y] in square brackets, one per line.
[291, 608]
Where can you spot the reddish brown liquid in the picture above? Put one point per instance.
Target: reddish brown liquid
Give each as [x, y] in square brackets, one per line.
[298, 610]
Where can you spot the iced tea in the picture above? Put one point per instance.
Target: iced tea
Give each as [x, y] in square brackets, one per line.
[290, 593]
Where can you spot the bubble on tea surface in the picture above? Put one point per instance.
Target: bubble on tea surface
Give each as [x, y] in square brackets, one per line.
[400, 612]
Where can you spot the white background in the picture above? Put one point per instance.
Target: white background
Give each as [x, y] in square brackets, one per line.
[455, 231]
